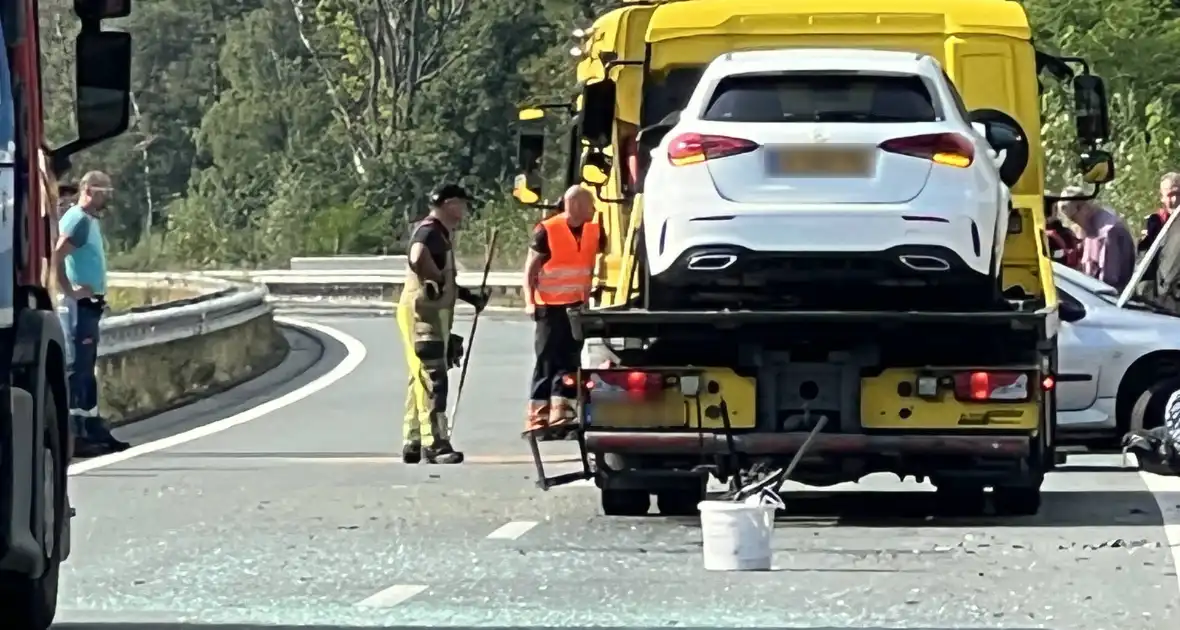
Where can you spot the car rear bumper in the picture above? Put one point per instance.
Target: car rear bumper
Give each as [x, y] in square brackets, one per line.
[832, 230]
[689, 443]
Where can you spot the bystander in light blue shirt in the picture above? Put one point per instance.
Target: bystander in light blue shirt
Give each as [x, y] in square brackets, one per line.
[86, 264]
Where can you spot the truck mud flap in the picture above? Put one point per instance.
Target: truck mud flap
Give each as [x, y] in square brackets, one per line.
[577, 433]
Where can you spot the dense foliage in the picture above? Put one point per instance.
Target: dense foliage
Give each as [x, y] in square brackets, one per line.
[271, 128]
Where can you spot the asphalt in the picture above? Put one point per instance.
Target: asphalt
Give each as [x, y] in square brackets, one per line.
[303, 517]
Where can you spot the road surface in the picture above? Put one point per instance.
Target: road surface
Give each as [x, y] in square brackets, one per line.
[303, 516]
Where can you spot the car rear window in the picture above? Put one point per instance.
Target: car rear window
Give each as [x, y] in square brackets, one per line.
[826, 97]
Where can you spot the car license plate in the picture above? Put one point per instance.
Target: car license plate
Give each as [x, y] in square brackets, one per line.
[823, 162]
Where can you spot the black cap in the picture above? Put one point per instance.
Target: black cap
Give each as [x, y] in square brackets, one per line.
[446, 192]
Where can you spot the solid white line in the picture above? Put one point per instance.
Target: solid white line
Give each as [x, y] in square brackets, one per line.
[392, 596]
[356, 353]
[513, 530]
[1166, 491]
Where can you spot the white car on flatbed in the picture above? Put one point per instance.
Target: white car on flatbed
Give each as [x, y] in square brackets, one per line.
[791, 171]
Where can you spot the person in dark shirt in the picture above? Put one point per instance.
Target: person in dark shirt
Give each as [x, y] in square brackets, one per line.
[425, 316]
[1169, 202]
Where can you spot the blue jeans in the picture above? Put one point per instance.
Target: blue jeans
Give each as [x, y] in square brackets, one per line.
[80, 322]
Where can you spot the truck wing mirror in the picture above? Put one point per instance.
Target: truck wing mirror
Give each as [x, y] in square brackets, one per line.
[598, 113]
[595, 168]
[95, 10]
[1090, 109]
[103, 86]
[1096, 167]
[530, 150]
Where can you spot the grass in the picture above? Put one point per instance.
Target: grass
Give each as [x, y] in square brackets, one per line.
[122, 299]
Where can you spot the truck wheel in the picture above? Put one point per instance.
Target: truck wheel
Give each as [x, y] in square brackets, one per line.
[31, 603]
[1017, 500]
[681, 501]
[616, 502]
[957, 498]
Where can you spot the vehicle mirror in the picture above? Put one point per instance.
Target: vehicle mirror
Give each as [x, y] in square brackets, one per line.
[525, 191]
[103, 84]
[980, 128]
[1070, 312]
[595, 168]
[531, 113]
[1007, 138]
[93, 10]
[598, 113]
[1090, 109]
[1096, 167]
[530, 150]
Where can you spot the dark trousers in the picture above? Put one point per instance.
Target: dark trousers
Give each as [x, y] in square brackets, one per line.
[84, 331]
[557, 353]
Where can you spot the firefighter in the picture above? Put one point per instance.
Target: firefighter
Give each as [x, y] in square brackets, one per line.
[558, 275]
[425, 314]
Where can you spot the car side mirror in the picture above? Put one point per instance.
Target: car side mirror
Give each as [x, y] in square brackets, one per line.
[1005, 136]
[1070, 312]
[1091, 113]
[1096, 167]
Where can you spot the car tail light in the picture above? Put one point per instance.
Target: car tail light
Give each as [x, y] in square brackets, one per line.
[693, 148]
[992, 386]
[950, 149]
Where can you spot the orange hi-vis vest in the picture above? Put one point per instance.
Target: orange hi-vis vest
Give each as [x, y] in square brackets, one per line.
[566, 277]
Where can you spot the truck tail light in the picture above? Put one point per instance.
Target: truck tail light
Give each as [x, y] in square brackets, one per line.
[635, 384]
[948, 149]
[992, 386]
[694, 148]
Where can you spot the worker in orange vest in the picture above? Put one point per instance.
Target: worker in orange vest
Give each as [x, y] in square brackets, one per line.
[558, 276]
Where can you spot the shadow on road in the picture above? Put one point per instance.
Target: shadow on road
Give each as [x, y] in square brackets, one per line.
[193, 626]
[917, 509]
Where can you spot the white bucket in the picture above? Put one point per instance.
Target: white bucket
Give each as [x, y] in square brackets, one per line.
[737, 536]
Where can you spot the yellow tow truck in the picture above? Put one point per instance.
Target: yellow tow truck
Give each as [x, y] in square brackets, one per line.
[670, 398]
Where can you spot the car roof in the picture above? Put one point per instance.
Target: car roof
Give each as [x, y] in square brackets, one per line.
[803, 59]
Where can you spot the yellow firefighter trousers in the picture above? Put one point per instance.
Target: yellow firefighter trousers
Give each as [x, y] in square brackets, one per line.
[420, 425]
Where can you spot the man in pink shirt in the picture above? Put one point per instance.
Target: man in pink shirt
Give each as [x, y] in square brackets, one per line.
[1108, 249]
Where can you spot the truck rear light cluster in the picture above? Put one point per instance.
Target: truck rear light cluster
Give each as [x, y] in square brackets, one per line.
[636, 384]
[694, 148]
[948, 149]
[992, 386]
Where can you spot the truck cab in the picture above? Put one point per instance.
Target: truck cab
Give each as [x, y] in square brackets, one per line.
[963, 398]
[35, 436]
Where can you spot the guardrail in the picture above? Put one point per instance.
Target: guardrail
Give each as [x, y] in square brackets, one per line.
[358, 291]
[220, 304]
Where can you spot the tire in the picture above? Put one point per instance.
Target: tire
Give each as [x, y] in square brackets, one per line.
[625, 502]
[1017, 500]
[959, 498]
[682, 501]
[30, 603]
[1148, 411]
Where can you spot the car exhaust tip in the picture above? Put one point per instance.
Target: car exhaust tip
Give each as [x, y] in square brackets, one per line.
[924, 263]
[711, 262]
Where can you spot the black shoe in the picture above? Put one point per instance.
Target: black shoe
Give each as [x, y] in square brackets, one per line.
[442, 453]
[100, 433]
[412, 453]
[88, 448]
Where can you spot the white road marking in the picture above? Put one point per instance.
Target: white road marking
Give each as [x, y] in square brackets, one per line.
[513, 530]
[392, 596]
[355, 355]
[1166, 491]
